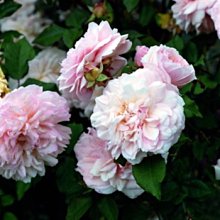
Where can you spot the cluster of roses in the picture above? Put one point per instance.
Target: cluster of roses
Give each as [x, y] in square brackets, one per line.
[202, 15]
[133, 115]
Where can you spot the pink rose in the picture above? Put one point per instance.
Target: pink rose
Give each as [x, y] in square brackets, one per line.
[140, 52]
[94, 54]
[214, 12]
[193, 13]
[170, 61]
[99, 170]
[139, 114]
[30, 134]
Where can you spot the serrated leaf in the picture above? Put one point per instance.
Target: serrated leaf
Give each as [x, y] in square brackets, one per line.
[21, 189]
[78, 207]
[8, 7]
[50, 35]
[108, 208]
[130, 4]
[101, 78]
[17, 56]
[150, 173]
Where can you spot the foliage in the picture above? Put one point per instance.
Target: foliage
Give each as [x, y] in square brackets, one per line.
[187, 188]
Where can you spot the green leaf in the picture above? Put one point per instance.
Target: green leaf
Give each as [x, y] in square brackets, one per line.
[150, 173]
[8, 7]
[191, 52]
[50, 35]
[77, 17]
[102, 77]
[7, 200]
[67, 181]
[17, 56]
[70, 36]
[9, 216]
[108, 208]
[78, 207]
[130, 4]
[76, 129]
[176, 42]
[191, 108]
[147, 13]
[21, 189]
[46, 86]
[198, 189]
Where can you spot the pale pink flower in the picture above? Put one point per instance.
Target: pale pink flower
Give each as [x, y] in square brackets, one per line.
[217, 170]
[214, 12]
[99, 170]
[138, 115]
[95, 53]
[170, 61]
[193, 13]
[140, 52]
[30, 134]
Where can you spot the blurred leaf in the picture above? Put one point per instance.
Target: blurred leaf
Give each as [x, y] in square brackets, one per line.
[70, 36]
[146, 14]
[9, 216]
[50, 35]
[108, 208]
[16, 57]
[21, 189]
[78, 207]
[198, 189]
[46, 86]
[77, 18]
[8, 7]
[7, 200]
[130, 4]
[191, 108]
[150, 173]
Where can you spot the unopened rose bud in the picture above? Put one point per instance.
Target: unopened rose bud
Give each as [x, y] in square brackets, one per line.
[99, 9]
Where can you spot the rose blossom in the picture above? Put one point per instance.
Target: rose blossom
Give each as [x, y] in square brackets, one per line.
[99, 170]
[170, 61]
[193, 13]
[94, 54]
[30, 134]
[214, 12]
[140, 52]
[139, 115]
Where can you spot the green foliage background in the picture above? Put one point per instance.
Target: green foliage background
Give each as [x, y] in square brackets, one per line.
[189, 189]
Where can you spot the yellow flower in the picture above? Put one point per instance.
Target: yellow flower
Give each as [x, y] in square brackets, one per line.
[3, 84]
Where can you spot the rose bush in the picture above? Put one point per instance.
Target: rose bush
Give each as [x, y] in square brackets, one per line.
[109, 109]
